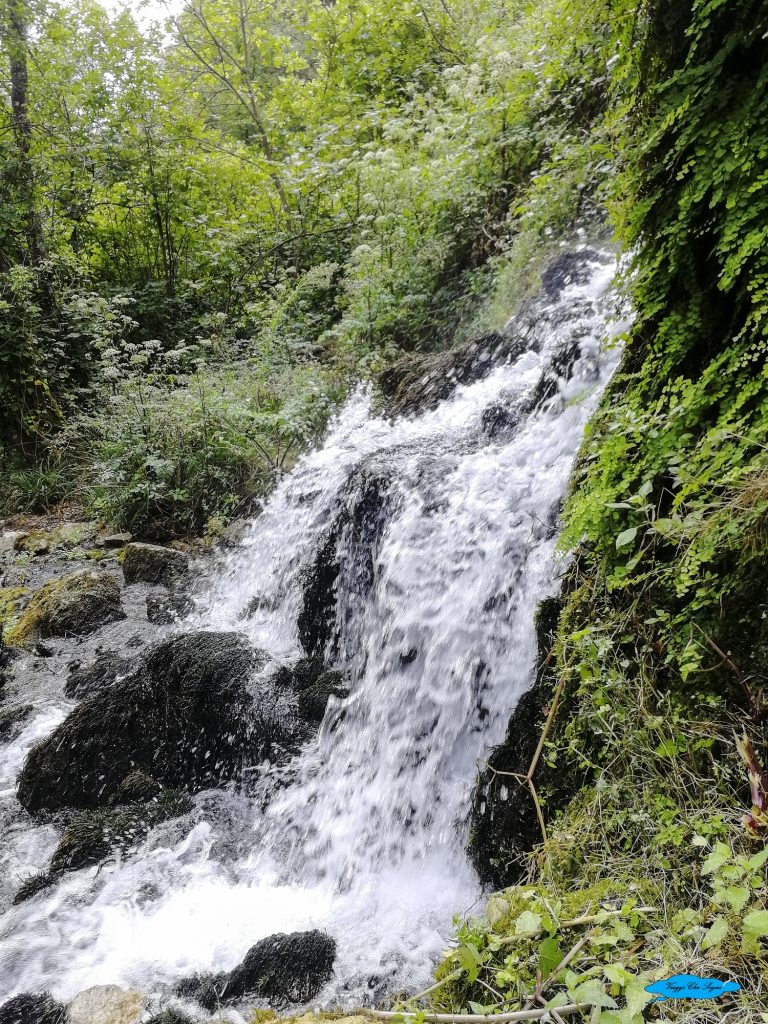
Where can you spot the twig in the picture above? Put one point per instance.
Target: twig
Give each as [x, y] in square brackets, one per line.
[476, 1018]
[574, 923]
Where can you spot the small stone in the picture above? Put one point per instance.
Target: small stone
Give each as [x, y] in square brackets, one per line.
[106, 1004]
[117, 540]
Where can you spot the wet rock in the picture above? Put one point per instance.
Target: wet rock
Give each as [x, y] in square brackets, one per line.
[34, 542]
[163, 609]
[11, 718]
[44, 650]
[184, 716]
[73, 605]
[88, 680]
[500, 419]
[33, 1009]
[570, 268]
[314, 684]
[282, 968]
[33, 885]
[92, 836]
[342, 572]
[150, 563]
[170, 1016]
[420, 382]
[116, 540]
[504, 823]
[107, 1004]
[233, 535]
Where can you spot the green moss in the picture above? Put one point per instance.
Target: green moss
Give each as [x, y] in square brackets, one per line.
[11, 599]
[53, 609]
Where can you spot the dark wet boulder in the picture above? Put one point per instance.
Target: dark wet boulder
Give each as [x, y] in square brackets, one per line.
[12, 718]
[284, 969]
[74, 605]
[90, 679]
[183, 716]
[165, 608]
[33, 1009]
[500, 419]
[571, 268]
[314, 685]
[342, 572]
[151, 563]
[93, 835]
[419, 382]
[504, 823]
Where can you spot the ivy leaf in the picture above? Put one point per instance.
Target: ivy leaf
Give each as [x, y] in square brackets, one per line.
[626, 537]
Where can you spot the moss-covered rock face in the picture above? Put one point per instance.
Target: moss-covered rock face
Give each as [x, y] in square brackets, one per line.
[282, 968]
[11, 600]
[74, 605]
[150, 563]
[184, 716]
[33, 1009]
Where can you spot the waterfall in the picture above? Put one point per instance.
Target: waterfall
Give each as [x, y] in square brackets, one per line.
[441, 527]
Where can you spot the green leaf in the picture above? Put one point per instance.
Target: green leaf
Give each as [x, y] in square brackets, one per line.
[716, 859]
[754, 927]
[592, 992]
[626, 537]
[550, 956]
[715, 934]
[528, 923]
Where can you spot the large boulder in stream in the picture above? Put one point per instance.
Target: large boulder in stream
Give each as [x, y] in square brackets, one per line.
[33, 1009]
[74, 605]
[184, 716]
[284, 969]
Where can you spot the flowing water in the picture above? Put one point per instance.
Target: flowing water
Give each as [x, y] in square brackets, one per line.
[364, 831]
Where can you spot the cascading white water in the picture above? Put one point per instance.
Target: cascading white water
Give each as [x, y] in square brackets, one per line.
[364, 832]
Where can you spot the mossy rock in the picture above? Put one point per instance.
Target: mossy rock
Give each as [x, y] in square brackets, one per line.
[11, 717]
[151, 563]
[93, 835]
[282, 968]
[34, 542]
[29, 1008]
[11, 600]
[74, 605]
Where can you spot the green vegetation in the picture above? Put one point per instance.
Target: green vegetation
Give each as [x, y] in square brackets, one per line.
[210, 231]
[661, 646]
[221, 228]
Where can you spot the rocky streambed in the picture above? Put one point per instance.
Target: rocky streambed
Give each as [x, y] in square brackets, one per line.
[135, 716]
